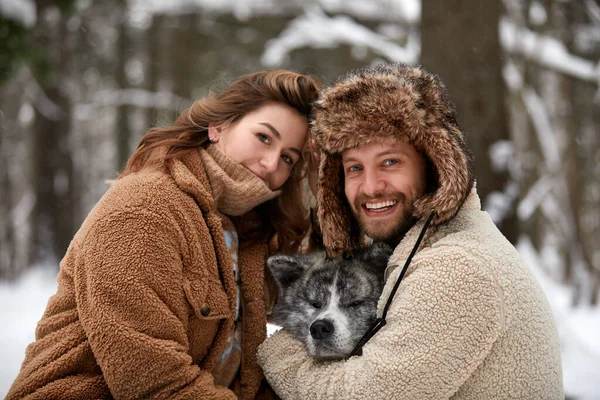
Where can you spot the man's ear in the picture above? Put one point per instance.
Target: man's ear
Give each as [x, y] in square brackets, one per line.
[286, 269]
[376, 255]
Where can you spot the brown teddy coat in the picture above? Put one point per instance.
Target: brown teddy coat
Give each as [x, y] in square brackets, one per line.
[145, 297]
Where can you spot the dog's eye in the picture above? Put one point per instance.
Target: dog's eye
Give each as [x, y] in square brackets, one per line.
[315, 304]
[354, 304]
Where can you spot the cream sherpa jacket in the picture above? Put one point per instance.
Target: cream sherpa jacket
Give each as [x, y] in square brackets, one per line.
[468, 322]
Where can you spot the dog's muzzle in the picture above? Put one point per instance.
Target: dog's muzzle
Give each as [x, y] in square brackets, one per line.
[321, 329]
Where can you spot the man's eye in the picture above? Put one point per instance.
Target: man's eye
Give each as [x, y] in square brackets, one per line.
[390, 162]
[264, 138]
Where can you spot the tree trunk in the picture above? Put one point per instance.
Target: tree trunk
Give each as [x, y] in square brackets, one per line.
[181, 67]
[154, 35]
[52, 221]
[460, 43]
[122, 129]
[583, 165]
[8, 244]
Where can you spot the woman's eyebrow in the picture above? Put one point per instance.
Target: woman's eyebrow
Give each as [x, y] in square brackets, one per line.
[272, 129]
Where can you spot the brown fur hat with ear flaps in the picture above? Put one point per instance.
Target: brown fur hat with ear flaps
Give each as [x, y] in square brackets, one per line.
[380, 102]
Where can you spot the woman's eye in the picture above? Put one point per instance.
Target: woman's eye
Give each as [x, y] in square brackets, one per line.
[264, 138]
[354, 168]
[390, 162]
[287, 159]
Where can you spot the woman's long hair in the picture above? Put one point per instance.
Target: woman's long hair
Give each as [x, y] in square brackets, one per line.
[287, 215]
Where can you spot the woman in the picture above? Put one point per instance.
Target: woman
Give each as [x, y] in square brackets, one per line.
[160, 294]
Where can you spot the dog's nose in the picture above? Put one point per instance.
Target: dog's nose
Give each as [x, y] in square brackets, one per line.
[321, 329]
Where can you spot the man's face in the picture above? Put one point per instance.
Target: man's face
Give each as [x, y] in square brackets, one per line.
[383, 180]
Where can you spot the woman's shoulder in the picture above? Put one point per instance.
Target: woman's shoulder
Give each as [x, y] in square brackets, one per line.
[152, 186]
[148, 199]
[147, 192]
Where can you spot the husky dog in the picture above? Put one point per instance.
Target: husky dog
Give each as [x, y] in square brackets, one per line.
[329, 304]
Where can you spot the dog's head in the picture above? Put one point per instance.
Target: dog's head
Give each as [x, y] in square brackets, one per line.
[329, 304]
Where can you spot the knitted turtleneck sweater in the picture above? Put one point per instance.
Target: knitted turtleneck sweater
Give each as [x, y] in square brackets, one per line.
[236, 191]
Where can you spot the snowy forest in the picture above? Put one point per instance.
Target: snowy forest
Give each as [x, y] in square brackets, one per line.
[82, 81]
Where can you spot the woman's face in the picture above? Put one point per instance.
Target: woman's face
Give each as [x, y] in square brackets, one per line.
[267, 141]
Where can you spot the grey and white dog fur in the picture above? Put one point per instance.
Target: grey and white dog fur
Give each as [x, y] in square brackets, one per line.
[329, 304]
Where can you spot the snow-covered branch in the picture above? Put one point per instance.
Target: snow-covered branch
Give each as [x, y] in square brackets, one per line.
[22, 11]
[315, 29]
[549, 194]
[543, 129]
[134, 97]
[48, 108]
[546, 51]
[140, 10]
[553, 177]
[593, 10]
[405, 11]
[499, 204]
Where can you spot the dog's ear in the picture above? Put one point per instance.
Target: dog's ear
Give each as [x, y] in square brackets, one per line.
[286, 269]
[376, 255]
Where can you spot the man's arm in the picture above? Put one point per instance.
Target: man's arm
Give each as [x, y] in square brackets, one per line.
[442, 323]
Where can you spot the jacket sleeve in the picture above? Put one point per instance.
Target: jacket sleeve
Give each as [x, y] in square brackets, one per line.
[442, 323]
[131, 304]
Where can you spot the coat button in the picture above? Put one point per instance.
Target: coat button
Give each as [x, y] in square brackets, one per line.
[205, 310]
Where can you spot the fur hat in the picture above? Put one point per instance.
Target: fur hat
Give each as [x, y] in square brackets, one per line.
[379, 102]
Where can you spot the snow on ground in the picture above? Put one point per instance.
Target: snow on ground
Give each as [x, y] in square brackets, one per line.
[578, 330]
[23, 304]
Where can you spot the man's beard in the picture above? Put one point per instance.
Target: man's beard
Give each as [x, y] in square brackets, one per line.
[395, 232]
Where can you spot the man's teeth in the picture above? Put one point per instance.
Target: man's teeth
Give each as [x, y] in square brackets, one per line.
[377, 206]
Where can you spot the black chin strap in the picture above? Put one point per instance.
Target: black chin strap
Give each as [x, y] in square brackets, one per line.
[380, 322]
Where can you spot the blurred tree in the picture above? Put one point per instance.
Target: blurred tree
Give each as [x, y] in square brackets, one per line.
[8, 242]
[52, 219]
[582, 166]
[460, 42]
[19, 46]
[154, 34]
[554, 123]
[15, 46]
[184, 56]
[122, 130]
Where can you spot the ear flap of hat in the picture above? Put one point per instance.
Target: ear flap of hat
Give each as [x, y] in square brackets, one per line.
[340, 230]
[455, 169]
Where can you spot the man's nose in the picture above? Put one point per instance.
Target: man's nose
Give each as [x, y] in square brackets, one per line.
[373, 183]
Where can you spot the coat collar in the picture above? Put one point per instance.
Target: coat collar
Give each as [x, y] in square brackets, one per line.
[405, 246]
[189, 175]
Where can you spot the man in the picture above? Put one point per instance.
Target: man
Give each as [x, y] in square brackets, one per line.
[468, 320]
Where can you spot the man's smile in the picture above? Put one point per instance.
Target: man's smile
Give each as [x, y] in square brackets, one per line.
[379, 208]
